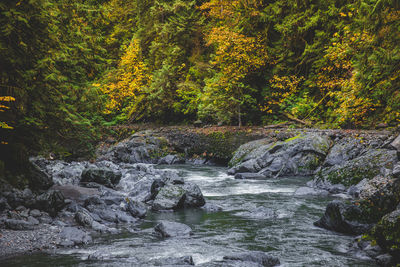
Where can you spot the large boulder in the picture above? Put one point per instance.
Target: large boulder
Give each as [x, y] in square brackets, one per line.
[38, 179]
[136, 209]
[255, 256]
[51, 201]
[344, 150]
[103, 176]
[387, 234]
[343, 218]
[142, 147]
[300, 155]
[172, 229]
[193, 195]
[366, 166]
[170, 197]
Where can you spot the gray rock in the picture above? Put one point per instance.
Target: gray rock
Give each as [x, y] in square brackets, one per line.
[52, 202]
[336, 219]
[308, 191]
[396, 143]
[249, 175]
[18, 225]
[344, 150]
[209, 207]
[300, 155]
[172, 229]
[136, 209]
[193, 195]
[384, 260]
[38, 179]
[4, 204]
[396, 171]
[71, 236]
[366, 166]
[103, 176]
[255, 256]
[33, 220]
[84, 218]
[170, 197]
[171, 261]
[171, 159]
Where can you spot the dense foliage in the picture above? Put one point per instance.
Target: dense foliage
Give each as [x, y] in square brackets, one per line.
[71, 67]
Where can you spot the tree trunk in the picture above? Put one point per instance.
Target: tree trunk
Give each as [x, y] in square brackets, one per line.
[239, 117]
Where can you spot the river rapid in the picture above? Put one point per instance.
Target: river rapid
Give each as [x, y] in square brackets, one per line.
[256, 215]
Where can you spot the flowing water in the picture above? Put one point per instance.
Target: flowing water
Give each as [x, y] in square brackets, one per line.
[258, 215]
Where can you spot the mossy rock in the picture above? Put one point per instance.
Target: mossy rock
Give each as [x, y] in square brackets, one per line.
[387, 233]
[366, 166]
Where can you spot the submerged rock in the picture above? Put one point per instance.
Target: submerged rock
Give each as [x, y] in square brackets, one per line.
[171, 261]
[255, 256]
[172, 229]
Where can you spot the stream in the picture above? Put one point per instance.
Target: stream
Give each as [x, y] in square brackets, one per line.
[257, 215]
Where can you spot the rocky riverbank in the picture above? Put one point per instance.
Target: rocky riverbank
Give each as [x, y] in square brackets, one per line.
[71, 203]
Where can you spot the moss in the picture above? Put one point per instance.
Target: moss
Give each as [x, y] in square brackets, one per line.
[387, 232]
[293, 138]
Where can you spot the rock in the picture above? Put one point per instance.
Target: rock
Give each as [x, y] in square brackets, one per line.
[396, 171]
[387, 233]
[38, 179]
[365, 166]
[52, 202]
[141, 190]
[94, 200]
[84, 218]
[337, 189]
[338, 217]
[170, 197]
[185, 260]
[396, 143]
[209, 207]
[385, 260]
[249, 175]
[18, 225]
[172, 229]
[4, 204]
[136, 209]
[103, 176]
[33, 220]
[71, 236]
[75, 192]
[344, 150]
[255, 256]
[171, 159]
[308, 191]
[45, 218]
[193, 195]
[300, 155]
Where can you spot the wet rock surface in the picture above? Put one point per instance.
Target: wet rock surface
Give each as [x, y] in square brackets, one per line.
[172, 229]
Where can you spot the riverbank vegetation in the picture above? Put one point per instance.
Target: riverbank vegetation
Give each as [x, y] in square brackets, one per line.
[72, 68]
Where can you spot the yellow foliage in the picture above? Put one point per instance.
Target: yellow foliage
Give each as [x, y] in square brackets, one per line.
[3, 108]
[128, 82]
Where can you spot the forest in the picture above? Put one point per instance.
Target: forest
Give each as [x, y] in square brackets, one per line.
[72, 69]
